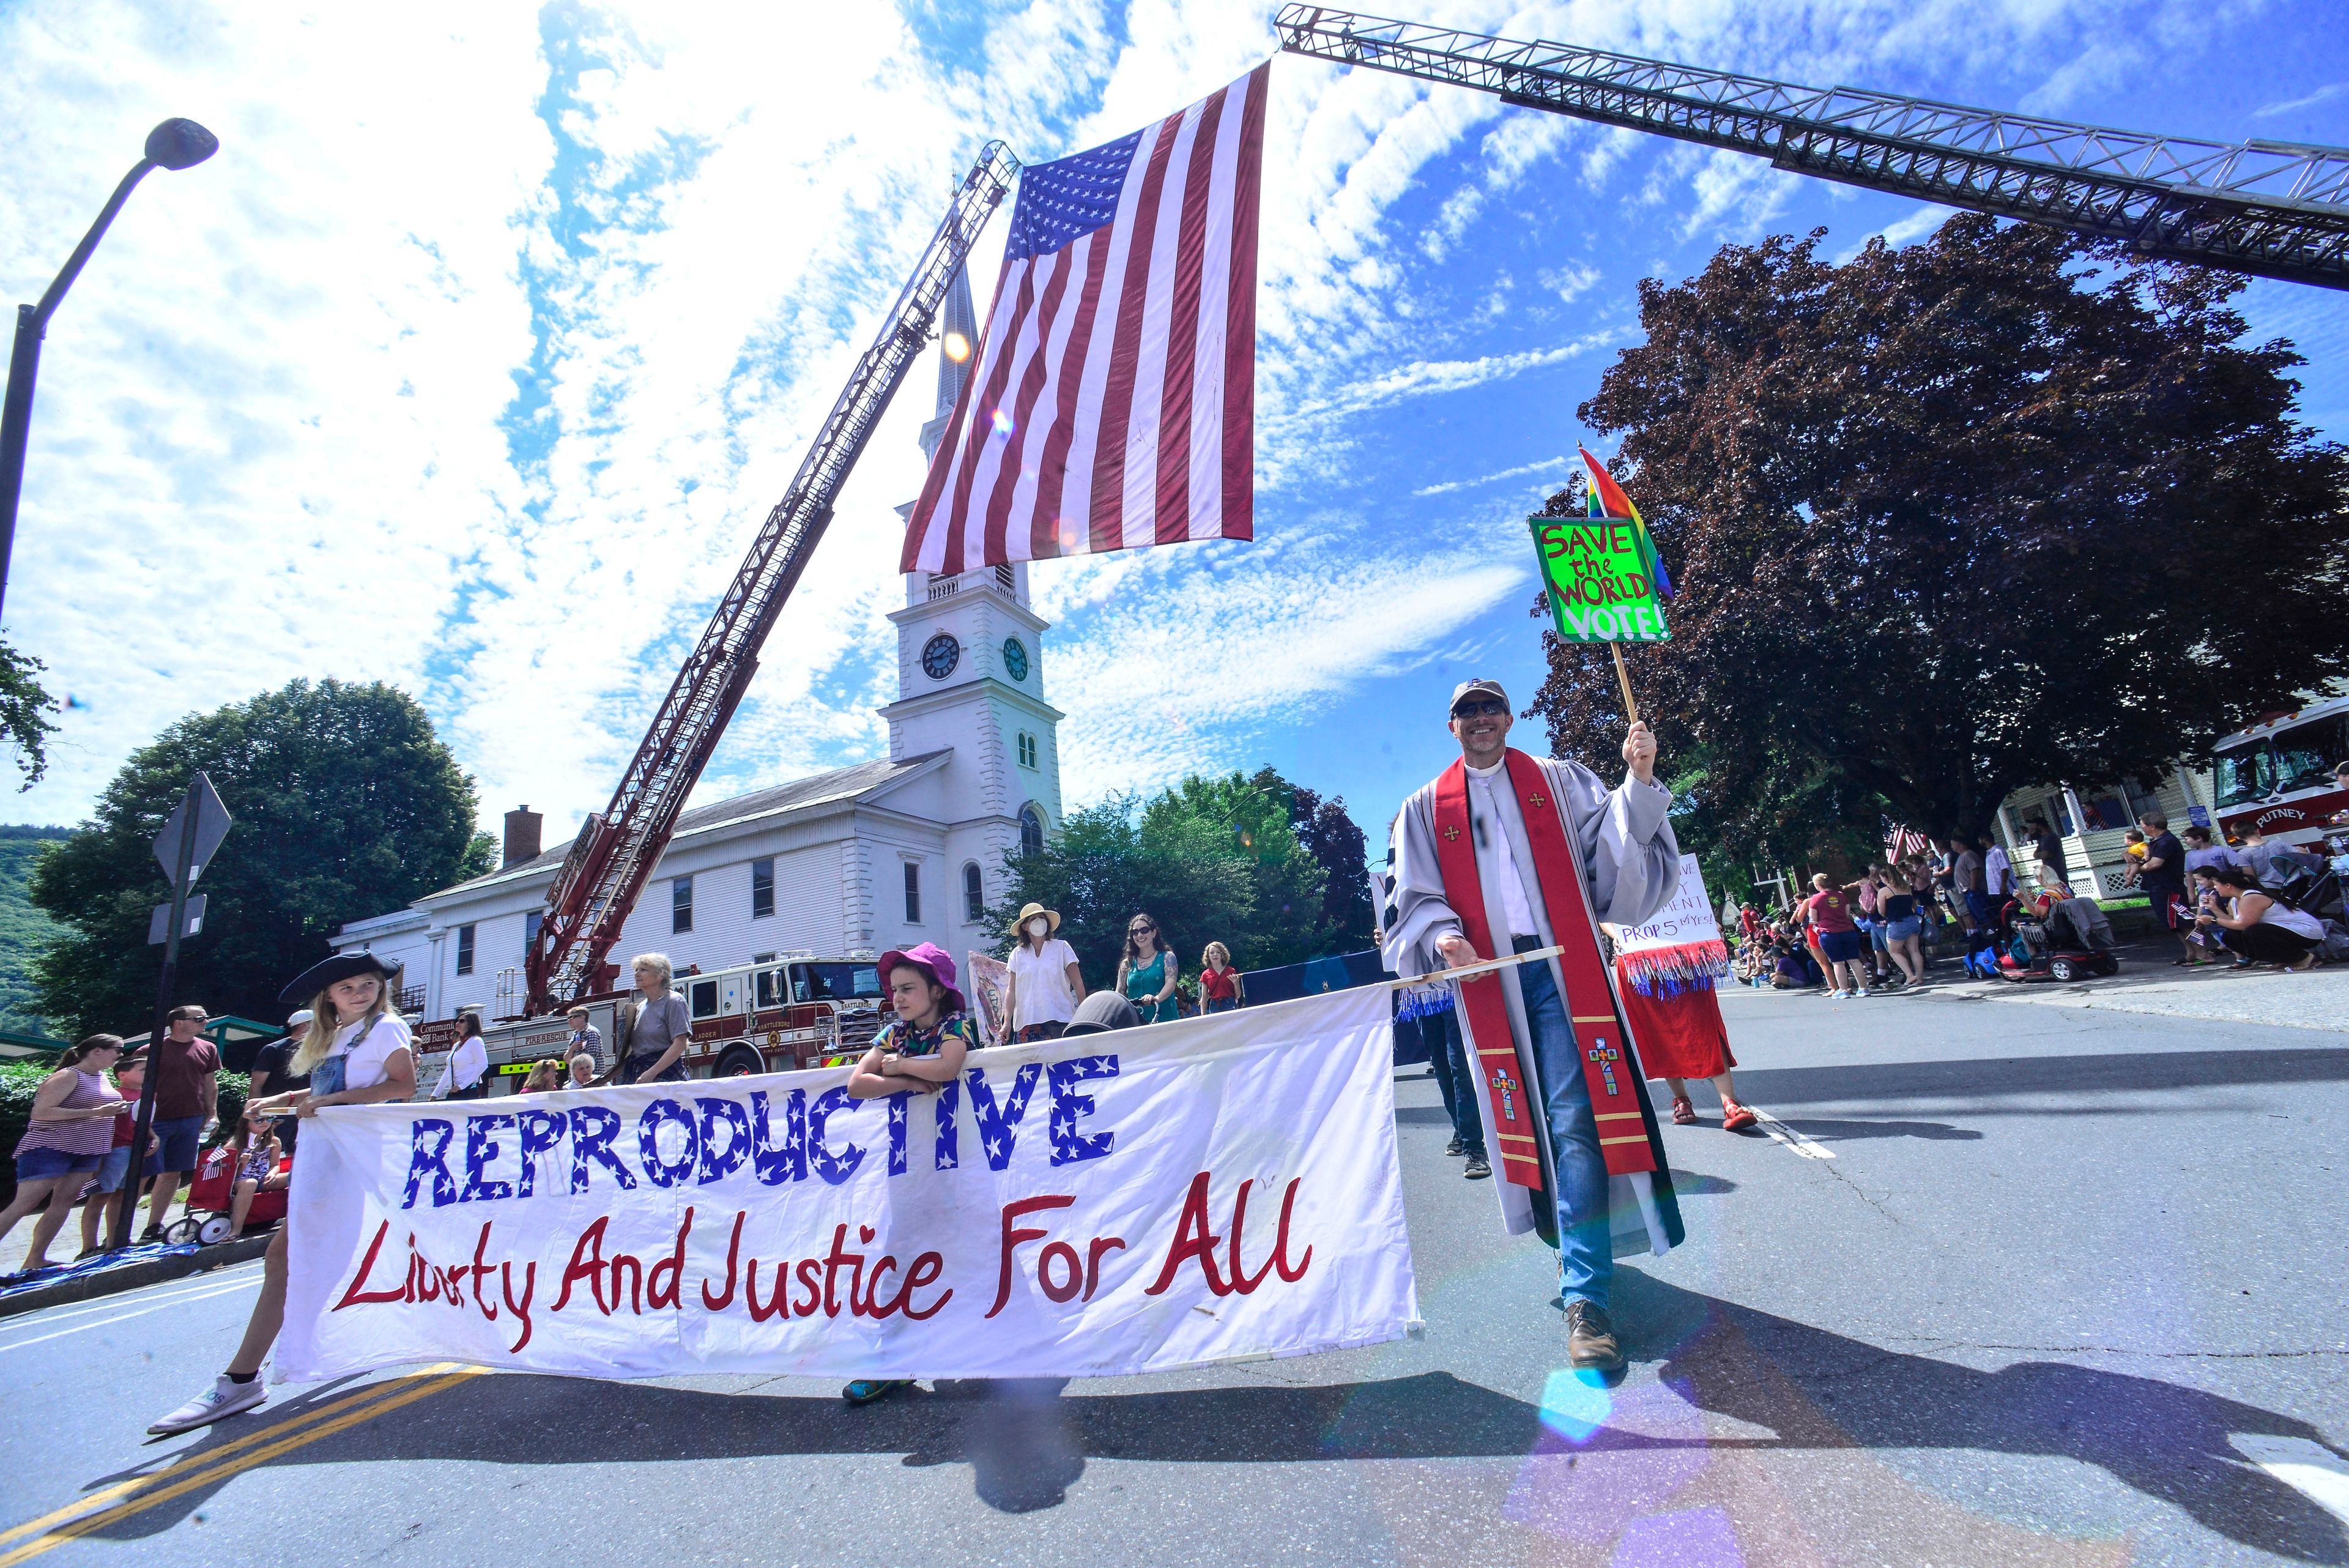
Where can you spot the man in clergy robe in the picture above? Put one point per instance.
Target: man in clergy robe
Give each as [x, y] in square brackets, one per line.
[1505, 853]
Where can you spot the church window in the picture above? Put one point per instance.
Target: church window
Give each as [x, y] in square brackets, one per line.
[680, 904]
[1027, 750]
[762, 886]
[464, 949]
[913, 892]
[974, 893]
[1031, 830]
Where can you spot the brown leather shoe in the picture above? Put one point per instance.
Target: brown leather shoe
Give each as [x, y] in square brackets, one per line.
[1590, 1338]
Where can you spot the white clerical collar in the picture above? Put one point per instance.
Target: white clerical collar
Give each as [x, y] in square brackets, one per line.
[1476, 772]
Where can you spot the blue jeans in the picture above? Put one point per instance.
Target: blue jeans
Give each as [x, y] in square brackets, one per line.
[1448, 1054]
[1586, 1246]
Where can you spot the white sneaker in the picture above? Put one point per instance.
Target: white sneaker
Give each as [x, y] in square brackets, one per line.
[1837, 995]
[226, 1399]
[1861, 991]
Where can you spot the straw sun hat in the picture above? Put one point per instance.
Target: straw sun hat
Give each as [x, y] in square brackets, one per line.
[1029, 911]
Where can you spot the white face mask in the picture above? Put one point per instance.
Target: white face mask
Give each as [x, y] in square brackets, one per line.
[1036, 928]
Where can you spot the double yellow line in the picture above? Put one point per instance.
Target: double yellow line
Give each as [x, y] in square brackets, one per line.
[125, 1499]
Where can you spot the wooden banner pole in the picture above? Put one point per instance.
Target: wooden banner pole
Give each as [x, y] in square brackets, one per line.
[1623, 678]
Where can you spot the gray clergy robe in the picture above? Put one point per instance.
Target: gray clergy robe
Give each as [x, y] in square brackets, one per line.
[1630, 865]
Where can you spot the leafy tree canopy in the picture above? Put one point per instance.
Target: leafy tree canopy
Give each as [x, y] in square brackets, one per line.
[25, 709]
[1253, 862]
[345, 804]
[2000, 508]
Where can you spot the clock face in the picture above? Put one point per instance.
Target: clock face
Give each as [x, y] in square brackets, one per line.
[1015, 657]
[940, 655]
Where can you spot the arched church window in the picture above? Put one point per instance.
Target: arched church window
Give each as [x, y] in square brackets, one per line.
[1027, 750]
[974, 893]
[1031, 829]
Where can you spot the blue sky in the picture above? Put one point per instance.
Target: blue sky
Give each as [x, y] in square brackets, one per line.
[476, 357]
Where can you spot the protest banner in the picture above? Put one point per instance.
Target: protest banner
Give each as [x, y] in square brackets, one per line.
[1597, 575]
[1224, 1188]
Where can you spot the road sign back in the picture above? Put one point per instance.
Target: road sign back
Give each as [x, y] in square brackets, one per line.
[211, 826]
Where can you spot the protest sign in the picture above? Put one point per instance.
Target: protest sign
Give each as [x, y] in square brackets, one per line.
[1220, 1189]
[1677, 947]
[1597, 575]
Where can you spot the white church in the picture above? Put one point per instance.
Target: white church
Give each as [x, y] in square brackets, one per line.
[882, 855]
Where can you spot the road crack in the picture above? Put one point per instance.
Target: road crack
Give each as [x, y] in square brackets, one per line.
[1938, 1343]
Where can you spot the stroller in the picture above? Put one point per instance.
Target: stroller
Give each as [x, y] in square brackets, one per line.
[2060, 939]
[213, 1190]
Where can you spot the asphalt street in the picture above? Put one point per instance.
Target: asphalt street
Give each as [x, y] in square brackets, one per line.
[1997, 1285]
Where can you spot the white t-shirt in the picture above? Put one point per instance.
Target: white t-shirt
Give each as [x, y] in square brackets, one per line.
[1044, 995]
[364, 1069]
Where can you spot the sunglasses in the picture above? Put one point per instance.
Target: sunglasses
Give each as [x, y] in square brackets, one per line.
[1137, 931]
[1487, 707]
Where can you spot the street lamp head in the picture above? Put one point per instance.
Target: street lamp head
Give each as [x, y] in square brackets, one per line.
[180, 144]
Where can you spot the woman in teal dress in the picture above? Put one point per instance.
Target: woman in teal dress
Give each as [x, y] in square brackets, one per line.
[1147, 972]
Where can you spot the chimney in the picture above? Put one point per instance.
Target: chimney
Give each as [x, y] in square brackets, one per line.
[522, 835]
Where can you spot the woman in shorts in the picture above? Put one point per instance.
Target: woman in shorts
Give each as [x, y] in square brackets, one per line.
[1842, 949]
[68, 1133]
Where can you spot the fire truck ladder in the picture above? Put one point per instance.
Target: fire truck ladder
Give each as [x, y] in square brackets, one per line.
[2274, 208]
[616, 851]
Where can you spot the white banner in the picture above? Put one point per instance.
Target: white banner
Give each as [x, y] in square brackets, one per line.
[1220, 1189]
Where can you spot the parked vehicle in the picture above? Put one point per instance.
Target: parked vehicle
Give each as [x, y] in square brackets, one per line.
[771, 1017]
[2277, 774]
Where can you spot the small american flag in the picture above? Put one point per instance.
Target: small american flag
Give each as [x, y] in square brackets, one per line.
[1901, 843]
[1113, 403]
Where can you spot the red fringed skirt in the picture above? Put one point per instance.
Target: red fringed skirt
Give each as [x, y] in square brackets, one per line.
[1679, 1037]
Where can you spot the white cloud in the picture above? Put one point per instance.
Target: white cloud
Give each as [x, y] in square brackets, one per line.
[1547, 465]
[481, 350]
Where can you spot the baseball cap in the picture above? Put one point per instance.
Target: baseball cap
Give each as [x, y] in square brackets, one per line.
[1478, 686]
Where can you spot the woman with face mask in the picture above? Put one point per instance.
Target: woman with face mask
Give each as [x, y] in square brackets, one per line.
[1045, 985]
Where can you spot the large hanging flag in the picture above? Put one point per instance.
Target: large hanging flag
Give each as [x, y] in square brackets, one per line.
[1113, 403]
[1608, 500]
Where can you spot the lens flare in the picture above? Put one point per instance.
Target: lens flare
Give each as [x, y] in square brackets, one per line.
[1003, 421]
[957, 347]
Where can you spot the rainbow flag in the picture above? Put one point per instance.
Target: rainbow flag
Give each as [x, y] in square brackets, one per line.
[1608, 500]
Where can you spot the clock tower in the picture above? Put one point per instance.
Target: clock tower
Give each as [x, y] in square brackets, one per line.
[970, 676]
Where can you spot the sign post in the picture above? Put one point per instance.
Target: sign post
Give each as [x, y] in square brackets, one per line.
[189, 836]
[1600, 586]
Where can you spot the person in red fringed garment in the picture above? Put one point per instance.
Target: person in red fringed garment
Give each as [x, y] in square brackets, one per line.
[1665, 970]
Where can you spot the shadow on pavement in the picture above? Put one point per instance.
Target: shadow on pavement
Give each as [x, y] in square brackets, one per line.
[1843, 1132]
[1817, 1391]
[1028, 1442]
[1988, 1079]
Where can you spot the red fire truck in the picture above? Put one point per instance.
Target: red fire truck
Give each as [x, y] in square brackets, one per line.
[2278, 773]
[770, 1017]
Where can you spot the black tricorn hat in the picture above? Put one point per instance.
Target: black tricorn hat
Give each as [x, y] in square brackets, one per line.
[327, 972]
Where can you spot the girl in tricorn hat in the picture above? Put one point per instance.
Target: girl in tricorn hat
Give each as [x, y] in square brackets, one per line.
[356, 1052]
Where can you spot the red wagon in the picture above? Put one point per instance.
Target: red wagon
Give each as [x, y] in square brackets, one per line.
[208, 1197]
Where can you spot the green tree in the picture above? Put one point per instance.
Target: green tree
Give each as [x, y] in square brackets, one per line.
[24, 931]
[1336, 846]
[1105, 863]
[1999, 508]
[25, 709]
[346, 806]
[1249, 817]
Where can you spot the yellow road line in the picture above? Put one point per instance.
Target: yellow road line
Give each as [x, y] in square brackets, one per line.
[218, 1464]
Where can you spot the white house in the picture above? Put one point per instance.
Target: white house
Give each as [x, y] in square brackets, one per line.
[885, 854]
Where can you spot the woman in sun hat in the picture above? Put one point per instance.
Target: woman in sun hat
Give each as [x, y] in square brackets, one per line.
[1046, 985]
[355, 1052]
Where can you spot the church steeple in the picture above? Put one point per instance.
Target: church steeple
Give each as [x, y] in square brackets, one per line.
[958, 347]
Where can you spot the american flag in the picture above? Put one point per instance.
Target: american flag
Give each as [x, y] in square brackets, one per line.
[1113, 401]
[1901, 843]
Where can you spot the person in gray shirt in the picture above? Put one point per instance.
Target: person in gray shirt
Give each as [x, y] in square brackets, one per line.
[664, 1026]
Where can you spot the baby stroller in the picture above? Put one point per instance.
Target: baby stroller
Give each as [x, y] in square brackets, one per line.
[213, 1190]
[2062, 939]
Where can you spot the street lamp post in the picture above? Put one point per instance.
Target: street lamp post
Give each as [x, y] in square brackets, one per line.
[174, 144]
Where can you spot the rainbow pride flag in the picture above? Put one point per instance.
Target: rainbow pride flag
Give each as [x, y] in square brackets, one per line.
[1608, 500]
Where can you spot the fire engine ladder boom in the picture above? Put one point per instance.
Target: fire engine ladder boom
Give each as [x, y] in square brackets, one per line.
[616, 851]
[2274, 208]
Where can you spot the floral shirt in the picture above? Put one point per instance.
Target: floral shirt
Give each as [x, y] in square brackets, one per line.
[905, 1039]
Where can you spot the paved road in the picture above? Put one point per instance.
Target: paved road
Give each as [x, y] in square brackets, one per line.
[2066, 1279]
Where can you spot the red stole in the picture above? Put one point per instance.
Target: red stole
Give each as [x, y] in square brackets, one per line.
[1609, 1069]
